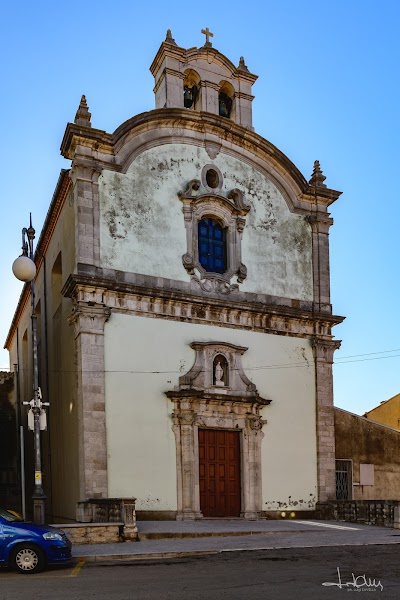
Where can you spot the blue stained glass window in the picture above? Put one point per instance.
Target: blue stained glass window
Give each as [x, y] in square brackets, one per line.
[212, 246]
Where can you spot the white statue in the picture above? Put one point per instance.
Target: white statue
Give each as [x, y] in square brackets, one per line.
[219, 375]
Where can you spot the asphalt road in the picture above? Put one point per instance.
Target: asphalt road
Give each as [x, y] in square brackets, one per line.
[294, 573]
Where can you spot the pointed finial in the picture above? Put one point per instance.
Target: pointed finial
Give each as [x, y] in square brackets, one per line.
[82, 117]
[169, 39]
[317, 177]
[242, 66]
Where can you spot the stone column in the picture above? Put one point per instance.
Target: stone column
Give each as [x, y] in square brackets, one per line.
[323, 355]
[89, 320]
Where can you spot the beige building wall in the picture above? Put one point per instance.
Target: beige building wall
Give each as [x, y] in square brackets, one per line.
[387, 413]
[140, 439]
[60, 388]
[142, 227]
[364, 442]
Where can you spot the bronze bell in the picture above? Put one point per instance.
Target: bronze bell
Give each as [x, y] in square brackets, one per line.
[188, 97]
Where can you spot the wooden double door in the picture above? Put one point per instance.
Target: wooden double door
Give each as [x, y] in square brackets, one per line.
[219, 473]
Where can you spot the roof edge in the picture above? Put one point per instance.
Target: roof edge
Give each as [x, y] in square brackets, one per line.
[57, 201]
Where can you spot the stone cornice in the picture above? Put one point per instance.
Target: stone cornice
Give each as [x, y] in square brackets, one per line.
[94, 139]
[174, 125]
[174, 52]
[180, 306]
[89, 318]
[207, 396]
[324, 349]
[210, 84]
[244, 96]
[165, 72]
[166, 50]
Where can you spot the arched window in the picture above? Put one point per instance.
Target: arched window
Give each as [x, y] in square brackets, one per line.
[212, 246]
[56, 283]
[220, 371]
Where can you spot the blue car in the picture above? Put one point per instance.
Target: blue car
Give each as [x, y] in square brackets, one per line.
[28, 547]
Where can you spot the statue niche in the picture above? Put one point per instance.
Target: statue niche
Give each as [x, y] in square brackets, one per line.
[220, 371]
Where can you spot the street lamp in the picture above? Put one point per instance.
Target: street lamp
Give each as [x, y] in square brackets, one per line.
[24, 269]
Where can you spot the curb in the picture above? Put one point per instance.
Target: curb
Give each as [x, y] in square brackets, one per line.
[104, 558]
[206, 534]
[144, 556]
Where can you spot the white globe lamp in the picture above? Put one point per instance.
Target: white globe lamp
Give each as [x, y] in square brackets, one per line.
[24, 268]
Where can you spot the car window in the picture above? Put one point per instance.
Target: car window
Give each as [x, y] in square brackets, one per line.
[7, 516]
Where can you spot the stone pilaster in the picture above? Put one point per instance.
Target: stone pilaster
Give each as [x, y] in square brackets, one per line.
[209, 97]
[84, 175]
[89, 320]
[323, 355]
[252, 476]
[187, 462]
[320, 225]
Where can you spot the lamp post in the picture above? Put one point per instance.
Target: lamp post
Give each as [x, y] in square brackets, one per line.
[24, 269]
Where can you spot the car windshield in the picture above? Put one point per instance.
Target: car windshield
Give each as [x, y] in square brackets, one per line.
[10, 517]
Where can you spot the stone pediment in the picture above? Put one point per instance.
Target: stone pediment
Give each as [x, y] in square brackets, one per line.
[217, 375]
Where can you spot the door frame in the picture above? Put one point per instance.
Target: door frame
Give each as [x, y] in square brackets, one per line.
[189, 415]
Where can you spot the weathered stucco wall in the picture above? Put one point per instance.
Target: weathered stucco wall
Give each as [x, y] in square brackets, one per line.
[142, 227]
[140, 439]
[363, 441]
[62, 488]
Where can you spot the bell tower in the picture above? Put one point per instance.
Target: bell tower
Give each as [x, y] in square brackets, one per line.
[202, 79]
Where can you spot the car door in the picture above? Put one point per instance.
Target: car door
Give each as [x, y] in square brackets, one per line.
[2, 540]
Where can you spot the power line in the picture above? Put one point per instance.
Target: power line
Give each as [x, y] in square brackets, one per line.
[338, 361]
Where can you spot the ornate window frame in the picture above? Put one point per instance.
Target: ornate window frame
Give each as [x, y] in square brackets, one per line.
[199, 404]
[230, 211]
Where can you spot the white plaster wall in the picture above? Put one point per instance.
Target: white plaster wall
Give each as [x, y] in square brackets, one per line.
[140, 440]
[142, 227]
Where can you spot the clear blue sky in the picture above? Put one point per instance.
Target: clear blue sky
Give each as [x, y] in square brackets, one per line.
[328, 89]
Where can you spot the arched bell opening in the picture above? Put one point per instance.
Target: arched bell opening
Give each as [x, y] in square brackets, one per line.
[191, 90]
[226, 96]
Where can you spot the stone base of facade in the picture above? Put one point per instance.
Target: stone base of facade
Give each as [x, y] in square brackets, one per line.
[94, 533]
[384, 513]
[286, 514]
[188, 515]
[170, 515]
[156, 515]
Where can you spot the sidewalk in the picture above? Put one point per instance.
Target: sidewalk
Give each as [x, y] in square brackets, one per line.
[173, 539]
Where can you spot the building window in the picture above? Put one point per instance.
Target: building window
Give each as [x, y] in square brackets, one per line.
[344, 480]
[214, 226]
[212, 246]
[212, 178]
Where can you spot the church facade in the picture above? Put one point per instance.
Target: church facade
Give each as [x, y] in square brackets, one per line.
[185, 321]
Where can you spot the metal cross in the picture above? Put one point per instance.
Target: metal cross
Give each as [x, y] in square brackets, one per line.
[208, 34]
